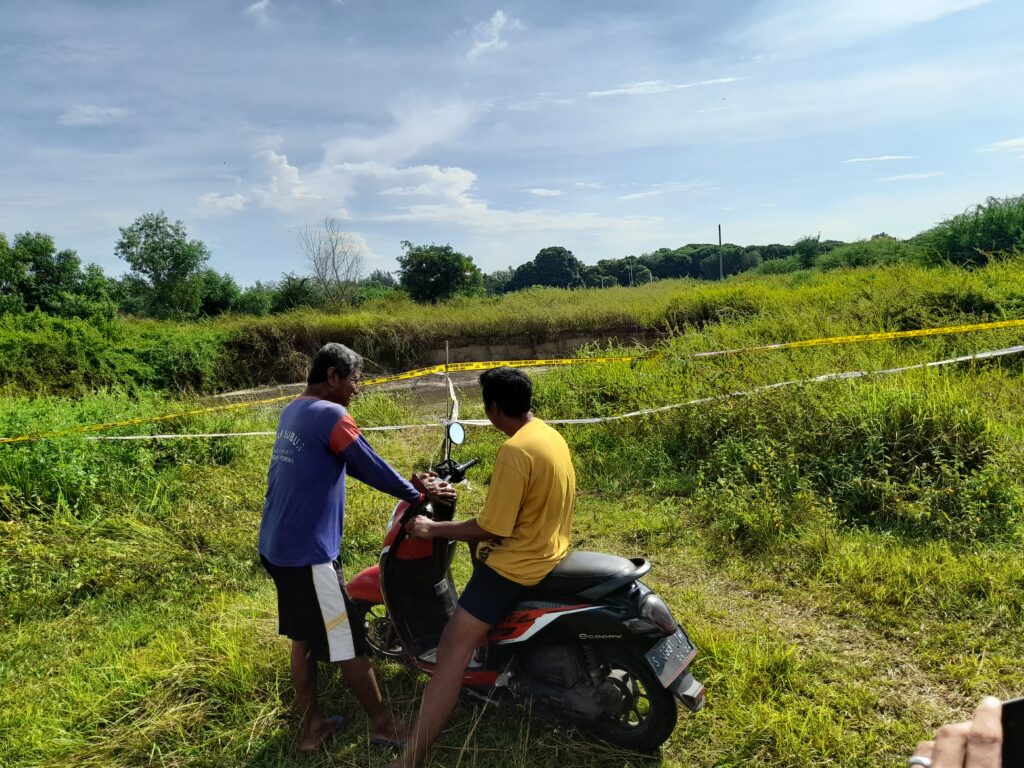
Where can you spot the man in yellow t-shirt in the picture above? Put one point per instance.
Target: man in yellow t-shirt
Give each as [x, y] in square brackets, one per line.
[523, 533]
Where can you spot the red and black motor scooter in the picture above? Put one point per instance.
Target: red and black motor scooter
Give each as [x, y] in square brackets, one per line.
[590, 644]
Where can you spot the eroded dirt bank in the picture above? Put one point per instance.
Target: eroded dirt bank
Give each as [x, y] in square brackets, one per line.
[282, 359]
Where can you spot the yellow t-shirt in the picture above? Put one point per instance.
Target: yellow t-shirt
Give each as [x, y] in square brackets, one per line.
[529, 505]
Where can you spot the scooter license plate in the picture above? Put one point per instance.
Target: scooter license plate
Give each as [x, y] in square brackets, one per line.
[671, 656]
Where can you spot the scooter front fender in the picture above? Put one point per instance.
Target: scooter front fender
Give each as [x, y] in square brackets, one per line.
[365, 586]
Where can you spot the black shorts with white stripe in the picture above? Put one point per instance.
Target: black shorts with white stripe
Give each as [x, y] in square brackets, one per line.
[313, 607]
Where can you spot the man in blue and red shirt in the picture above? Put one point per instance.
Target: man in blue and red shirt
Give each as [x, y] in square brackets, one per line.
[317, 445]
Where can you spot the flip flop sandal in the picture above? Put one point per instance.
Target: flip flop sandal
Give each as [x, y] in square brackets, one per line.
[392, 743]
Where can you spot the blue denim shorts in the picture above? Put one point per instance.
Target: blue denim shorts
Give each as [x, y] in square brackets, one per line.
[489, 596]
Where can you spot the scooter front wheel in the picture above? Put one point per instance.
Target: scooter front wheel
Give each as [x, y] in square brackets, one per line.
[381, 635]
[643, 713]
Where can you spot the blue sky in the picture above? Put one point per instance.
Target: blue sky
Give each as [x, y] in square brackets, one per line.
[609, 128]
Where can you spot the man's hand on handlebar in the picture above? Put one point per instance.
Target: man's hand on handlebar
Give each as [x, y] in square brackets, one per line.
[437, 489]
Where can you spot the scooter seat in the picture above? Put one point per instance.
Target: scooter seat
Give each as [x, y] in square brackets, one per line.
[592, 575]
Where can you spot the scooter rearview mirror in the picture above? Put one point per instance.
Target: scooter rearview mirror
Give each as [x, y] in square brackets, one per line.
[456, 433]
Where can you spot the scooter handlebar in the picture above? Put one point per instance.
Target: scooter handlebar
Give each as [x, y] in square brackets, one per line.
[459, 470]
[455, 473]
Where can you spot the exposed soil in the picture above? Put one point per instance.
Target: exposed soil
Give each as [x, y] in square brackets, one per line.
[285, 356]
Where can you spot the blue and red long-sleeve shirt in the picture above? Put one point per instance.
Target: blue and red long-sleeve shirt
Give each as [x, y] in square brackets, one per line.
[317, 444]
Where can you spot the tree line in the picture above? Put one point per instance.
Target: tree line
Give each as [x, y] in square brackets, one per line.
[169, 274]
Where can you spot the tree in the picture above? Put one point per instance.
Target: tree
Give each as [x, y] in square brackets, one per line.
[382, 278]
[335, 259]
[593, 277]
[432, 273]
[166, 262]
[255, 300]
[133, 295]
[34, 275]
[218, 293]
[775, 251]
[293, 292]
[49, 273]
[557, 267]
[12, 275]
[807, 249]
[970, 237]
[498, 281]
[733, 261]
[379, 286]
[553, 266]
[92, 297]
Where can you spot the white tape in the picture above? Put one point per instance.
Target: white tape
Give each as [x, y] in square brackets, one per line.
[845, 375]
[251, 434]
[455, 400]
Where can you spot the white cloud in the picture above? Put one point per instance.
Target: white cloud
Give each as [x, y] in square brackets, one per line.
[1014, 146]
[478, 216]
[216, 204]
[421, 189]
[259, 12]
[416, 127]
[658, 86]
[860, 101]
[912, 176]
[487, 35]
[542, 192]
[282, 187]
[431, 180]
[664, 189]
[796, 25]
[588, 185]
[90, 114]
[455, 205]
[369, 165]
[880, 158]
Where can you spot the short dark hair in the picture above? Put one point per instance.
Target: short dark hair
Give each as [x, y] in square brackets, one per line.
[509, 388]
[337, 356]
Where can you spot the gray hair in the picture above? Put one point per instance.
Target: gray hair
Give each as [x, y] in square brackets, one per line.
[343, 360]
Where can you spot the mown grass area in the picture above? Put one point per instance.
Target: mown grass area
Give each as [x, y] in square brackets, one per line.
[44, 355]
[847, 554]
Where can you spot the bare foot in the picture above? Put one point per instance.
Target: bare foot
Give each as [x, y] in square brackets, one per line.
[390, 731]
[319, 732]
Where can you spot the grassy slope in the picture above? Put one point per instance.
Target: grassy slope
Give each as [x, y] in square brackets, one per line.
[846, 555]
[40, 354]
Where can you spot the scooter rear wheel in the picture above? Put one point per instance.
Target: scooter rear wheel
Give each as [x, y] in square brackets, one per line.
[646, 711]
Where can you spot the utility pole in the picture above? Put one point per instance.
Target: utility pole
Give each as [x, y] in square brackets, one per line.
[721, 276]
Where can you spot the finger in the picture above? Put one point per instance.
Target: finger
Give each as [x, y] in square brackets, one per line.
[924, 749]
[950, 746]
[985, 739]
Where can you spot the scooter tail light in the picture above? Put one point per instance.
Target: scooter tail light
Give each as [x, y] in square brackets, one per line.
[655, 611]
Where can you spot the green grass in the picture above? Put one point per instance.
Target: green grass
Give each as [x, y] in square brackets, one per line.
[847, 555]
[44, 355]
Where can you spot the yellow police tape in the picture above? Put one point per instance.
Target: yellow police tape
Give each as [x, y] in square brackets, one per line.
[483, 366]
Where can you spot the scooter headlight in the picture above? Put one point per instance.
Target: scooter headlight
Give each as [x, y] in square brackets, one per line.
[655, 611]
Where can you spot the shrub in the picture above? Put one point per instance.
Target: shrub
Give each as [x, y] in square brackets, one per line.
[780, 266]
[970, 238]
[879, 250]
